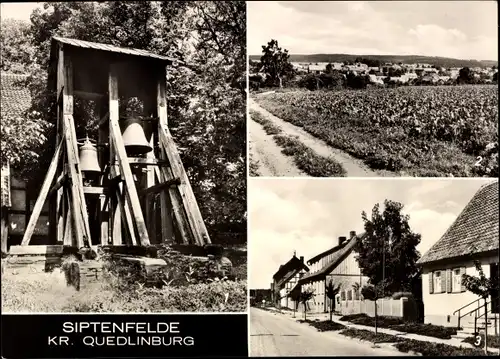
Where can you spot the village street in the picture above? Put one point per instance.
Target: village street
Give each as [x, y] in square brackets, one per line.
[277, 335]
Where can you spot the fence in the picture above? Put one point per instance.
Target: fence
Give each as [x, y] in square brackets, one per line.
[403, 307]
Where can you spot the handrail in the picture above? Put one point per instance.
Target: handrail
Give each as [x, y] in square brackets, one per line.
[465, 306]
[484, 314]
[478, 309]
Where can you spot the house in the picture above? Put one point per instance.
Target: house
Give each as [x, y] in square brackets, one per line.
[450, 257]
[338, 264]
[316, 69]
[285, 279]
[17, 198]
[376, 79]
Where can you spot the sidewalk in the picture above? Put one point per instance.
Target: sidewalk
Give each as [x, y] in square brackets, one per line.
[336, 318]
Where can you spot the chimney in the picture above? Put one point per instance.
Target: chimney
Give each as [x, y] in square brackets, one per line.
[342, 240]
[301, 259]
[352, 234]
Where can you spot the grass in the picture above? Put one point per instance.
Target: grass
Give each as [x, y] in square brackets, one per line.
[400, 325]
[305, 158]
[493, 341]
[409, 345]
[115, 292]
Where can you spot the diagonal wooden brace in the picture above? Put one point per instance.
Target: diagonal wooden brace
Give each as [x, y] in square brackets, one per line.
[49, 177]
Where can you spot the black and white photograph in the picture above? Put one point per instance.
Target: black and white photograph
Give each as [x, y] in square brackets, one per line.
[123, 146]
[374, 267]
[373, 88]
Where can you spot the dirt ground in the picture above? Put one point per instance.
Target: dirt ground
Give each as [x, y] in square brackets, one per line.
[265, 150]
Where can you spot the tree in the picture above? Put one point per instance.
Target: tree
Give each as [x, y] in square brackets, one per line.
[387, 252]
[331, 291]
[275, 62]
[371, 292]
[483, 287]
[206, 99]
[305, 296]
[329, 69]
[495, 77]
[15, 42]
[465, 76]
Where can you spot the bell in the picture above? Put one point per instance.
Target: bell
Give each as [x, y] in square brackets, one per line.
[134, 138]
[88, 157]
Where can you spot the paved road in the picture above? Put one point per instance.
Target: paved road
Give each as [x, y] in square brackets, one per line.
[276, 335]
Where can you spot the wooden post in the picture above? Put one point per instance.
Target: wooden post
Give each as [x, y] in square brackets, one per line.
[185, 202]
[117, 140]
[148, 202]
[4, 229]
[57, 204]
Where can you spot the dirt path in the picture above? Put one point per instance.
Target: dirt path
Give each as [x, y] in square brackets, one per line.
[353, 166]
[267, 154]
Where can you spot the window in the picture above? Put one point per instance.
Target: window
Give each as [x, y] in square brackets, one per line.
[349, 295]
[456, 280]
[342, 295]
[456, 283]
[437, 282]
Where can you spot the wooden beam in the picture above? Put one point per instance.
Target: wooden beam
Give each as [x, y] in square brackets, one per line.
[95, 190]
[125, 210]
[61, 180]
[40, 201]
[168, 214]
[89, 95]
[160, 186]
[189, 203]
[80, 216]
[117, 141]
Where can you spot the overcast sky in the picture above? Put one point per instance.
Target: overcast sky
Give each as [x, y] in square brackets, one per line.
[20, 11]
[458, 29]
[308, 215]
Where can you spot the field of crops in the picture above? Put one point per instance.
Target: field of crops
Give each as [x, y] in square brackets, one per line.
[416, 131]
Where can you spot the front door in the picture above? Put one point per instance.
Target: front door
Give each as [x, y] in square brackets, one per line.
[495, 303]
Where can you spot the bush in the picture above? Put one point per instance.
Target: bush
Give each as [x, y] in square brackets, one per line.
[399, 324]
[493, 341]
[399, 295]
[370, 336]
[327, 325]
[436, 349]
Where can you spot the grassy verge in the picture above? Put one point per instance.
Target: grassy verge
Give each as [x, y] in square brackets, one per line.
[305, 158]
[400, 325]
[409, 345]
[324, 325]
[120, 290]
[493, 341]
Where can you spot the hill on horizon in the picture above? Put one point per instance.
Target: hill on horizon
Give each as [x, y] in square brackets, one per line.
[405, 59]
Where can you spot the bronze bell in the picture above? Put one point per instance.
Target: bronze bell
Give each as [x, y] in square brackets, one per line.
[134, 138]
[88, 157]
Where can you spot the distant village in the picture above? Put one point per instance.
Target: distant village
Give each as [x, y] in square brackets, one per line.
[392, 73]
[402, 73]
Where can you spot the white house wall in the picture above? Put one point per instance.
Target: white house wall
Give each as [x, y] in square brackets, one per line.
[439, 307]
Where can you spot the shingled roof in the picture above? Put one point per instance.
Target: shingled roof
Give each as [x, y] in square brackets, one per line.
[341, 252]
[476, 226]
[15, 98]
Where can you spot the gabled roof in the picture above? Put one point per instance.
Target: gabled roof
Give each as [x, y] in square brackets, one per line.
[476, 226]
[318, 257]
[345, 249]
[109, 48]
[15, 98]
[293, 266]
